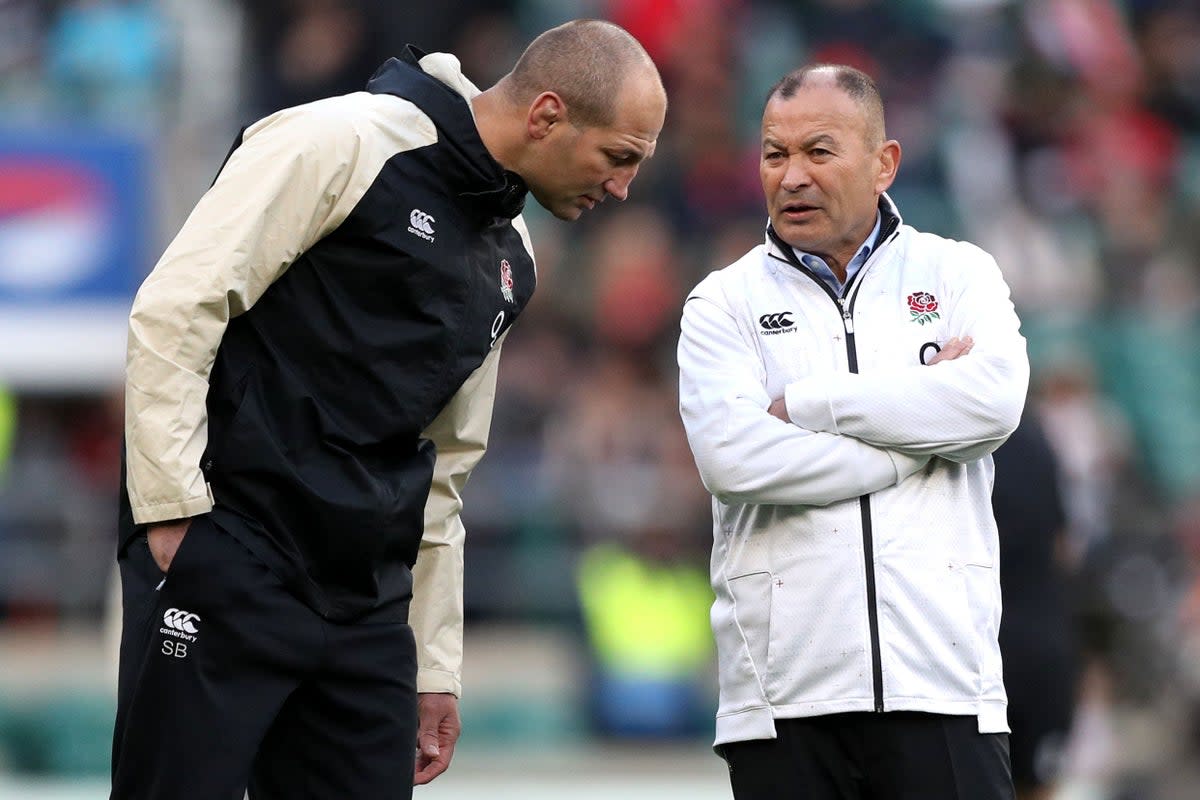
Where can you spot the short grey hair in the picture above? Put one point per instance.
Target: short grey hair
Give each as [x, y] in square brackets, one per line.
[854, 82]
[585, 62]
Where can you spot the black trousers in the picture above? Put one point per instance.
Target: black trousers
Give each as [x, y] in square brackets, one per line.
[894, 756]
[228, 682]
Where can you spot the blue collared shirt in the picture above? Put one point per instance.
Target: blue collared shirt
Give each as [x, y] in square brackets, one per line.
[823, 271]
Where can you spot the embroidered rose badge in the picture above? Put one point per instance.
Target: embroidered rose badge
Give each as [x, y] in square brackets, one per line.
[923, 307]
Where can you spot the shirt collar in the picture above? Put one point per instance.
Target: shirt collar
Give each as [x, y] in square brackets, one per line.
[823, 270]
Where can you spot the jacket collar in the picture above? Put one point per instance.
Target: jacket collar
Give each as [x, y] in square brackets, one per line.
[436, 85]
[889, 221]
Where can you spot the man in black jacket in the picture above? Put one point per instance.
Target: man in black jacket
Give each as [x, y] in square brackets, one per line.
[1038, 639]
[310, 377]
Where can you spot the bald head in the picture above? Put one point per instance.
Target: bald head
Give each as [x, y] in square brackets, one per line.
[856, 84]
[576, 117]
[586, 63]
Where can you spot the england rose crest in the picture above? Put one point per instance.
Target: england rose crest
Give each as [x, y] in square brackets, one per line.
[923, 307]
[506, 280]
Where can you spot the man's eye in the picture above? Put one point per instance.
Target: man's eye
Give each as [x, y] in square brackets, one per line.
[773, 155]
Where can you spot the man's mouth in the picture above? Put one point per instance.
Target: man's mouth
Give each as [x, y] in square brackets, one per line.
[797, 209]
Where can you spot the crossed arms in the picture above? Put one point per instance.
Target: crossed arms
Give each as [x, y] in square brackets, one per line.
[849, 434]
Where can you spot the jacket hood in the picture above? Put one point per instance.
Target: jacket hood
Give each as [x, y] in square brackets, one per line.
[473, 173]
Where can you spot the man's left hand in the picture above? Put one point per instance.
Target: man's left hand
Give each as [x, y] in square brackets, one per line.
[438, 727]
[953, 349]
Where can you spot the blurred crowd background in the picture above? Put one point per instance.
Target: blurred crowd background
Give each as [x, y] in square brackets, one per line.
[1061, 135]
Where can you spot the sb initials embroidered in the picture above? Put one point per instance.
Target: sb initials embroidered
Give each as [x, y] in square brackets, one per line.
[181, 625]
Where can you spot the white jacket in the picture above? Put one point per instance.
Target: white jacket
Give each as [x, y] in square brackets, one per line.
[855, 556]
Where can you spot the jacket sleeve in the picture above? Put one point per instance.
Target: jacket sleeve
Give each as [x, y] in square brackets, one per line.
[960, 410]
[460, 433]
[744, 454]
[296, 176]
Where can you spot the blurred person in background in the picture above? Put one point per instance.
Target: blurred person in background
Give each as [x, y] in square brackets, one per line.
[623, 479]
[303, 50]
[1037, 637]
[311, 372]
[644, 598]
[1092, 446]
[627, 484]
[842, 388]
[309, 49]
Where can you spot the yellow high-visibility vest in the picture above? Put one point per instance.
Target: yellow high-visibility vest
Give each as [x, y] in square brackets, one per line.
[645, 618]
[8, 427]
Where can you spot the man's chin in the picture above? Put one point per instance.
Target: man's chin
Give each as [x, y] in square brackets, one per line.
[798, 235]
[561, 209]
[567, 213]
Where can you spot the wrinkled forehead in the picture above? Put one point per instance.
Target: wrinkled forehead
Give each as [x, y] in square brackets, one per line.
[815, 105]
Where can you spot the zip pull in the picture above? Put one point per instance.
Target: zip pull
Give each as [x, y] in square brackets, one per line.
[847, 320]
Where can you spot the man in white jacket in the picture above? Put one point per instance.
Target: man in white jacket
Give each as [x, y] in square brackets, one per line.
[842, 386]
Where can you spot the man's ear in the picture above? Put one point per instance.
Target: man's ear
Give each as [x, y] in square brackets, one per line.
[545, 112]
[889, 164]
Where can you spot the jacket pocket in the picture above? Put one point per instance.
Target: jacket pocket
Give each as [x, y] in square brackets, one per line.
[982, 588]
[223, 413]
[196, 529]
[928, 646]
[752, 614]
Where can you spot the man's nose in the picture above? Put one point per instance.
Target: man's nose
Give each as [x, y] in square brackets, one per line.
[618, 184]
[796, 175]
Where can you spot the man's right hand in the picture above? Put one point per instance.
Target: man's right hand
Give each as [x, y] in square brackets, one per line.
[164, 539]
[438, 728]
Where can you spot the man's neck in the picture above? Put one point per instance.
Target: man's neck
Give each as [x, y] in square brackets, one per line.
[493, 116]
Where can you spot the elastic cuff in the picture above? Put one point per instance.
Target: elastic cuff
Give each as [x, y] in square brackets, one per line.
[993, 717]
[437, 680]
[161, 512]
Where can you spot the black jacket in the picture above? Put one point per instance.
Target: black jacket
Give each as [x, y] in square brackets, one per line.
[321, 390]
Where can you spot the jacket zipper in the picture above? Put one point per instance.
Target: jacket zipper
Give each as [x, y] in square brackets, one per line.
[845, 305]
[864, 506]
